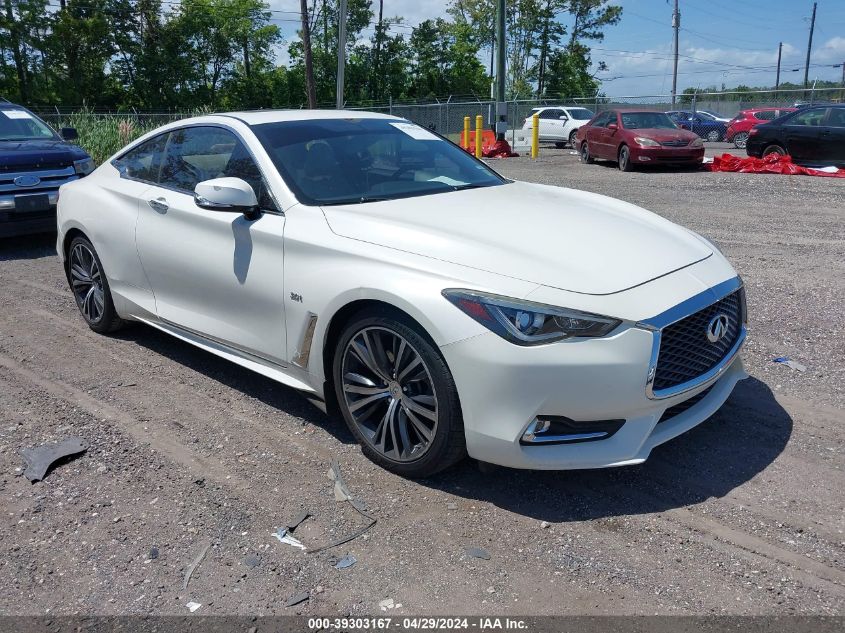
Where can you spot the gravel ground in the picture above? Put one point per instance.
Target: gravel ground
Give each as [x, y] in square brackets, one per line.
[743, 515]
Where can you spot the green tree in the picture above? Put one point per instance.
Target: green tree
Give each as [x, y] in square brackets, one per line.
[445, 61]
[81, 45]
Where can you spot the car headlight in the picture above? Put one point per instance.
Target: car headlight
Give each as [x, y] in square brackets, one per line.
[528, 323]
[84, 166]
[697, 143]
[646, 142]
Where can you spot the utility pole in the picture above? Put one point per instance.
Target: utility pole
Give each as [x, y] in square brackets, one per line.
[310, 88]
[377, 66]
[810, 45]
[341, 52]
[777, 77]
[501, 106]
[676, 25]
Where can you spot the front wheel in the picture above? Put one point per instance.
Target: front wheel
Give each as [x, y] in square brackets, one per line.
[740, 140]
[585, 154]
[714, 136]
[398, 396]
[624, 159]
[90, 287]
[572, 140]
[774, 149]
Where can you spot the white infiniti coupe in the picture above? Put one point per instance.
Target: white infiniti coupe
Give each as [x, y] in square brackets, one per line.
[440, 308]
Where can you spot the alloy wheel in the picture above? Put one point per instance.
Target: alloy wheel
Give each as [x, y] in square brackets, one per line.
[389, 394]
[624, 157]
[740, 140]
[713, 136]
[87, 283]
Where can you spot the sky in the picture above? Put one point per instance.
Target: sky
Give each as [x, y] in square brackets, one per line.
[721, 41]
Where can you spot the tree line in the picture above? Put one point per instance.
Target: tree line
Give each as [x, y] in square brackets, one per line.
[227, 54]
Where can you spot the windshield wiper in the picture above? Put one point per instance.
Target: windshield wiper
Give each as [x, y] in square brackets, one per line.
[469, 185]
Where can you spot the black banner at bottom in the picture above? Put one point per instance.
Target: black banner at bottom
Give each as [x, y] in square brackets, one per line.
[376, 624]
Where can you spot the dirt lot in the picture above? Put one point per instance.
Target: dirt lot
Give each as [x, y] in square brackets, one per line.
[745, 514]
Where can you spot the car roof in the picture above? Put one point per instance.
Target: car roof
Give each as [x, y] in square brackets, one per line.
[257, 117]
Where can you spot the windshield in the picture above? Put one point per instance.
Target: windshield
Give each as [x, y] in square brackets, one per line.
[581, 114]
[705, 115]
[342, 161]
[20, 125]
[647, 121]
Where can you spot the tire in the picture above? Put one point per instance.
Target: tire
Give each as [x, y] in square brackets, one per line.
[774, 149]
[624, 159]
[417, 395]
[586, 158]
[90, 287]
[572, 140]
[740, 139]
[714, 136]
[560, 144]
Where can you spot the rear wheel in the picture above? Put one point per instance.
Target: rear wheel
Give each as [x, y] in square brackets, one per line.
[572, 140]
[624, 159]
[714, 136]
[585, 154]
[397, 395]
[90, 287]
[740, 140]
[774, 149]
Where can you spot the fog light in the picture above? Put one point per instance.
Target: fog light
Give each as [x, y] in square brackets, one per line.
[554, 429]
[537, 427]
[644, 158]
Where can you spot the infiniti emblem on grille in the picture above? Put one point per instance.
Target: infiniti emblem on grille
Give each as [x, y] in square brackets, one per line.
[27, 180]
[717, 328]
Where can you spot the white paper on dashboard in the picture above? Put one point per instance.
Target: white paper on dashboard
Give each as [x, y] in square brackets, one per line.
[16, 114]
[415, 131]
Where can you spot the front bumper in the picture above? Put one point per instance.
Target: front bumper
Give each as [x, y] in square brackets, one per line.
[505, 388]
[663, 155]
[14, 221]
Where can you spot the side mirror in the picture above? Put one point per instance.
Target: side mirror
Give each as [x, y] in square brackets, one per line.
[563, 117]
[229, 195]
[612, 126]
[68, 134]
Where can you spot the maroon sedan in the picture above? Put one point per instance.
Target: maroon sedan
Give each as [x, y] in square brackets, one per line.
[638, 138]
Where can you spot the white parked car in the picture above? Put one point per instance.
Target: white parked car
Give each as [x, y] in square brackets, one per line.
[559, 124]
[441, 308]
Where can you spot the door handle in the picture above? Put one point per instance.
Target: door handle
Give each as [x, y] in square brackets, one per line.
[159, 204]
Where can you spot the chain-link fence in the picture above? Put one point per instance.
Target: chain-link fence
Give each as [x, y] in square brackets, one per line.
[447, 115]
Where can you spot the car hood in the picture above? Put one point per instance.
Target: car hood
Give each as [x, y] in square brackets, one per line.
[34, 153]
[661, 135]
[564, 238]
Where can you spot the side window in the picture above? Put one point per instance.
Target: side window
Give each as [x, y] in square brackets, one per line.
[813, 116]
[199, 153]
[601, 120]
[143, 162]
[836, 117]
[550, 113]
[765, 115]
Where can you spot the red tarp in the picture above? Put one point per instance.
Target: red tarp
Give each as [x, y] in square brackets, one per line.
[490, 147]
[771, 164]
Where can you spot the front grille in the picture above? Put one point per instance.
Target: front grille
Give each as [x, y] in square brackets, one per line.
[686, 352]
[61, 164]
[49, 180]
[679, 408]
[678, 143]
